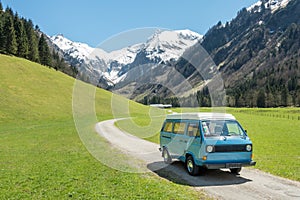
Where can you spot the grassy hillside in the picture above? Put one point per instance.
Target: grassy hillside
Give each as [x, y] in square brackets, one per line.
[41, 155]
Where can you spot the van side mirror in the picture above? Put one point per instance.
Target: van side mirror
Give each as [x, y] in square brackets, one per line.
[245, 131]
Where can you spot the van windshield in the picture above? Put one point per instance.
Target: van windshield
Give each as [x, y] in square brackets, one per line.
[213, 128]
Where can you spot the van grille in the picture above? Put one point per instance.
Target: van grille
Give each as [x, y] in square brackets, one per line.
[230, 148]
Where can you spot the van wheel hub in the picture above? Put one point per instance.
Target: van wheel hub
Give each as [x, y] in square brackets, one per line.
[190, 165]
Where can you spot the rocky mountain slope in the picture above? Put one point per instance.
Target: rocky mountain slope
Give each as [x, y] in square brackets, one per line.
[110, 68]
[257, 55]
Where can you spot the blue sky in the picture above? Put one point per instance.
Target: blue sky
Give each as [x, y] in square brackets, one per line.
[94, 21]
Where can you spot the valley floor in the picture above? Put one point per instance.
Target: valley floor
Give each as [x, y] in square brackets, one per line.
[221, 184]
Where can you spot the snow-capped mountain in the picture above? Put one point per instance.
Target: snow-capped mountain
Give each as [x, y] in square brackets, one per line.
[76, 50]
[163, 46]
[167, 45]
[273, 5]
[89, 62]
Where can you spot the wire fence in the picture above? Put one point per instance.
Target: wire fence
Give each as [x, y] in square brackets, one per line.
[274, 115]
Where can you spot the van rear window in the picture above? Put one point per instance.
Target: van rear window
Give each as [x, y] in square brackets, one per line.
[168, 127]
[179, 127]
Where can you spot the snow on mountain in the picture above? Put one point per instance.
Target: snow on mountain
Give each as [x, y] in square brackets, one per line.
[125, 55]
[160, 47]
[77, 50]
[269, 4]
[167, 45]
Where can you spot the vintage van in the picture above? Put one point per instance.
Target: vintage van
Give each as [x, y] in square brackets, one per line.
[206, 141]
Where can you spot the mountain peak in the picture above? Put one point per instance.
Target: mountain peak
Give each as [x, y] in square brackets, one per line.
[162, 46]
[170, 35]
[273, 5]
[170, 44]
[188, 34]
[77, 50]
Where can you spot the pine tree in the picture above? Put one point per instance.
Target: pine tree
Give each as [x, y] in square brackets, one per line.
[22, 40]
[9, 11]
[10, 42]
[33, 51]
[2, 39]
[44, 52]
[261, 99]
[1, 8]
[55, 60]
[284, 96]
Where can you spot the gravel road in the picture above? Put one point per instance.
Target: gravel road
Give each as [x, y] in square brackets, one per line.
[220, 184]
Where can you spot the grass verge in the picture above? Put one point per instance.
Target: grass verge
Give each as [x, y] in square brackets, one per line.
[41, 154]
[273, 131]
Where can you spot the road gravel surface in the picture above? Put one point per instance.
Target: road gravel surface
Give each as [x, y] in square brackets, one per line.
[219, 184]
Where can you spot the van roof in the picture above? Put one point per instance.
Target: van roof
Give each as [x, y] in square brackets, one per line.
[202, 116]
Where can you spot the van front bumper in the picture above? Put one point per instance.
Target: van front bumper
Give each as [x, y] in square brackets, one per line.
[229, 165]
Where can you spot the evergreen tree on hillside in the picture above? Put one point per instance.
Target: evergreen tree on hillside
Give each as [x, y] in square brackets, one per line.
[10, 42]
[22, 41]
[2, 39]
[261, 99]
[1, 29]
[33, 51]
[44, 52]
[1, 8]
[284, 97]
[56, 60]
[20, 37]
[9, 11]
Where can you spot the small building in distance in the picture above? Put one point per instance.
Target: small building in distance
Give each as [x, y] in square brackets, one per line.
[161, 105]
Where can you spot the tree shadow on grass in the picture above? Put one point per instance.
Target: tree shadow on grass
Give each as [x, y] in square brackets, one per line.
[177, 173]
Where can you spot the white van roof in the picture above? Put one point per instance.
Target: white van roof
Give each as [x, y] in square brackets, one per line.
[202, 116]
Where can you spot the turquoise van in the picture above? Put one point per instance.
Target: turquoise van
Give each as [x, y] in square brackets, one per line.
[206, 141]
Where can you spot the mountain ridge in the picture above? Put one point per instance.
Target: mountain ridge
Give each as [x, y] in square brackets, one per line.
[162, 46]
[256, 53]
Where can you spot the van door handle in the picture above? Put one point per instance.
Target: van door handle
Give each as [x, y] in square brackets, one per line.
[185, 141]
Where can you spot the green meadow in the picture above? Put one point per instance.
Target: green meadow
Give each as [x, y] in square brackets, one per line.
[41, 153]
[275, 133]
[43, 157]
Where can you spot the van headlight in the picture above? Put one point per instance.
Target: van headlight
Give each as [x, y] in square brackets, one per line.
[248, 147]
[209, 148]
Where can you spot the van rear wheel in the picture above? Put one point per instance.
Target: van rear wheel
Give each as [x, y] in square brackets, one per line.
[191, 167]
[166, 156]
[235, 170]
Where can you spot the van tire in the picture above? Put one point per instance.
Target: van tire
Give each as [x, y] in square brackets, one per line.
[166, 156]
[191, 167]
[235, 170]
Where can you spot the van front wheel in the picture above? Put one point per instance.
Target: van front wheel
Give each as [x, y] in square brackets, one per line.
[166, 156]
[191, 167]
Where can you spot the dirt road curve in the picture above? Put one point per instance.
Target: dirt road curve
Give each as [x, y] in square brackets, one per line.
[220, 184]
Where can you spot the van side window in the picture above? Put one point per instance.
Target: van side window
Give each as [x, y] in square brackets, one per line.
[193, 130]
[179, 127]
[168, 127]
